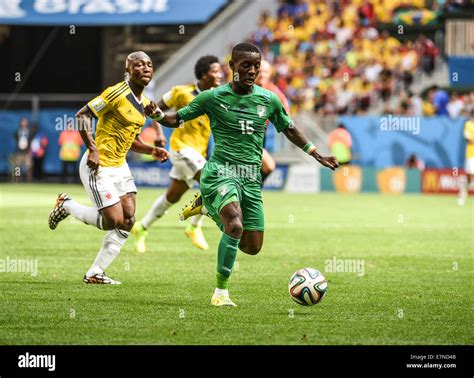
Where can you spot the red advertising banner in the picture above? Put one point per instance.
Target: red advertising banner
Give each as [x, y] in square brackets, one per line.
[443, 180]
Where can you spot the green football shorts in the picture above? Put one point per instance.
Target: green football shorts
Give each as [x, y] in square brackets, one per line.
[222, 184]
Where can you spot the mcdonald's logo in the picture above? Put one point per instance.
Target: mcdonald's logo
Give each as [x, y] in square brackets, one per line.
[430, 181]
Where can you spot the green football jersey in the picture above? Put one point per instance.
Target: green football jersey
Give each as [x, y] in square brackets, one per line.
[238, 122]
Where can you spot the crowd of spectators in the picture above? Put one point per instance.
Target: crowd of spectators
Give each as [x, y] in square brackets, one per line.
[435, 102]
[330, 57]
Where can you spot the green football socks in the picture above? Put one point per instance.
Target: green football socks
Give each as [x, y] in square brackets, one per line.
[226, 254]
[222, 281]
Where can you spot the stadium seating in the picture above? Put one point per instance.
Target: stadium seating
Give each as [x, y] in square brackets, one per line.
[332, 57]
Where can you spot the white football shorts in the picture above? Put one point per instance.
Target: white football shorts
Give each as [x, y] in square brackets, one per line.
[107, 186]
[186, 163]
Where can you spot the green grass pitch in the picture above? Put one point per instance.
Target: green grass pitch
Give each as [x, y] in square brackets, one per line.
[416, 287]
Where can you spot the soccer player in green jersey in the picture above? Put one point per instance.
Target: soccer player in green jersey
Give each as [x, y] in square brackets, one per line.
[231, 180]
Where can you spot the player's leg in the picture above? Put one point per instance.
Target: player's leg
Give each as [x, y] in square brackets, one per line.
[173, 194]
[120, 190]
[140, 231]
[220, 194]
[268, 165]
[464, 188]
[194, 229]
[231, 220]
[251, 242]
[463, 185]
[187, 165]
[197, 220]
[102, 193]
[195, 209]
[470, 178]
[253, 218]
[122, 216]
[465, 181]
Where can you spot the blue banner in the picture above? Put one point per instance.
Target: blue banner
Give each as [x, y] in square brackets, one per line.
[460, 70]
[150, 174]
[277, 180]
[388, 141]
[377, 141]
[107, 12]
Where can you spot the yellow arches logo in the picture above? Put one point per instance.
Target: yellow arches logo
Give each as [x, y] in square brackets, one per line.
[430, 182]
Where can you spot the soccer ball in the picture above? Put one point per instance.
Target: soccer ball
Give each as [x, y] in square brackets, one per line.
[307, 286]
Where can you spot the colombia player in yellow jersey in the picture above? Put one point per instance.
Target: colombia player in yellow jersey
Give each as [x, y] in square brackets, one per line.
[188, 148]
[103, 169]
[469, 167]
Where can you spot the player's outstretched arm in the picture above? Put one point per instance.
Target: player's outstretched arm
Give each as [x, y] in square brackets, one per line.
[83, 119]
[169, 119]
[300, 140]
[160, 140]
[158, 153]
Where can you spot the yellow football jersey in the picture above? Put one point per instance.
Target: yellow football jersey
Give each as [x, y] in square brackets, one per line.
[469, 135]
[194, 133]
[121, 116]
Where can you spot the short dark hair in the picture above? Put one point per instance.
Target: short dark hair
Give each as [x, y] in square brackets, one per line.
[203, 65]
[243, 48]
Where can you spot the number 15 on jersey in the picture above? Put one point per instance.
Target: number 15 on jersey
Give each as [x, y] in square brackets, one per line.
[246, 127]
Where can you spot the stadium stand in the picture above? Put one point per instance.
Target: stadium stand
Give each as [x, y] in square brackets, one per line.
[335, 58]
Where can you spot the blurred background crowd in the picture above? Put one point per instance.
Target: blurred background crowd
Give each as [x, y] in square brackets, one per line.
[334, 58]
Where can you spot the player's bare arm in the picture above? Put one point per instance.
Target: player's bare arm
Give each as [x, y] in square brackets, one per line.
[84, 123]
[140, 147]
[169, 119]
[298, 139]
[160, 140]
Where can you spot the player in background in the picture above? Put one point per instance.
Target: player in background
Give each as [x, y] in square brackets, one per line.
[264, 80]
[340, 144]
[188, 148]
[103, 169]
[469, 167]
[231, 179]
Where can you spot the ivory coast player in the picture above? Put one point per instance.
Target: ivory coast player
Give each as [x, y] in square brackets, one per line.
[188, 148]
[103, 169]
[231, 181]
